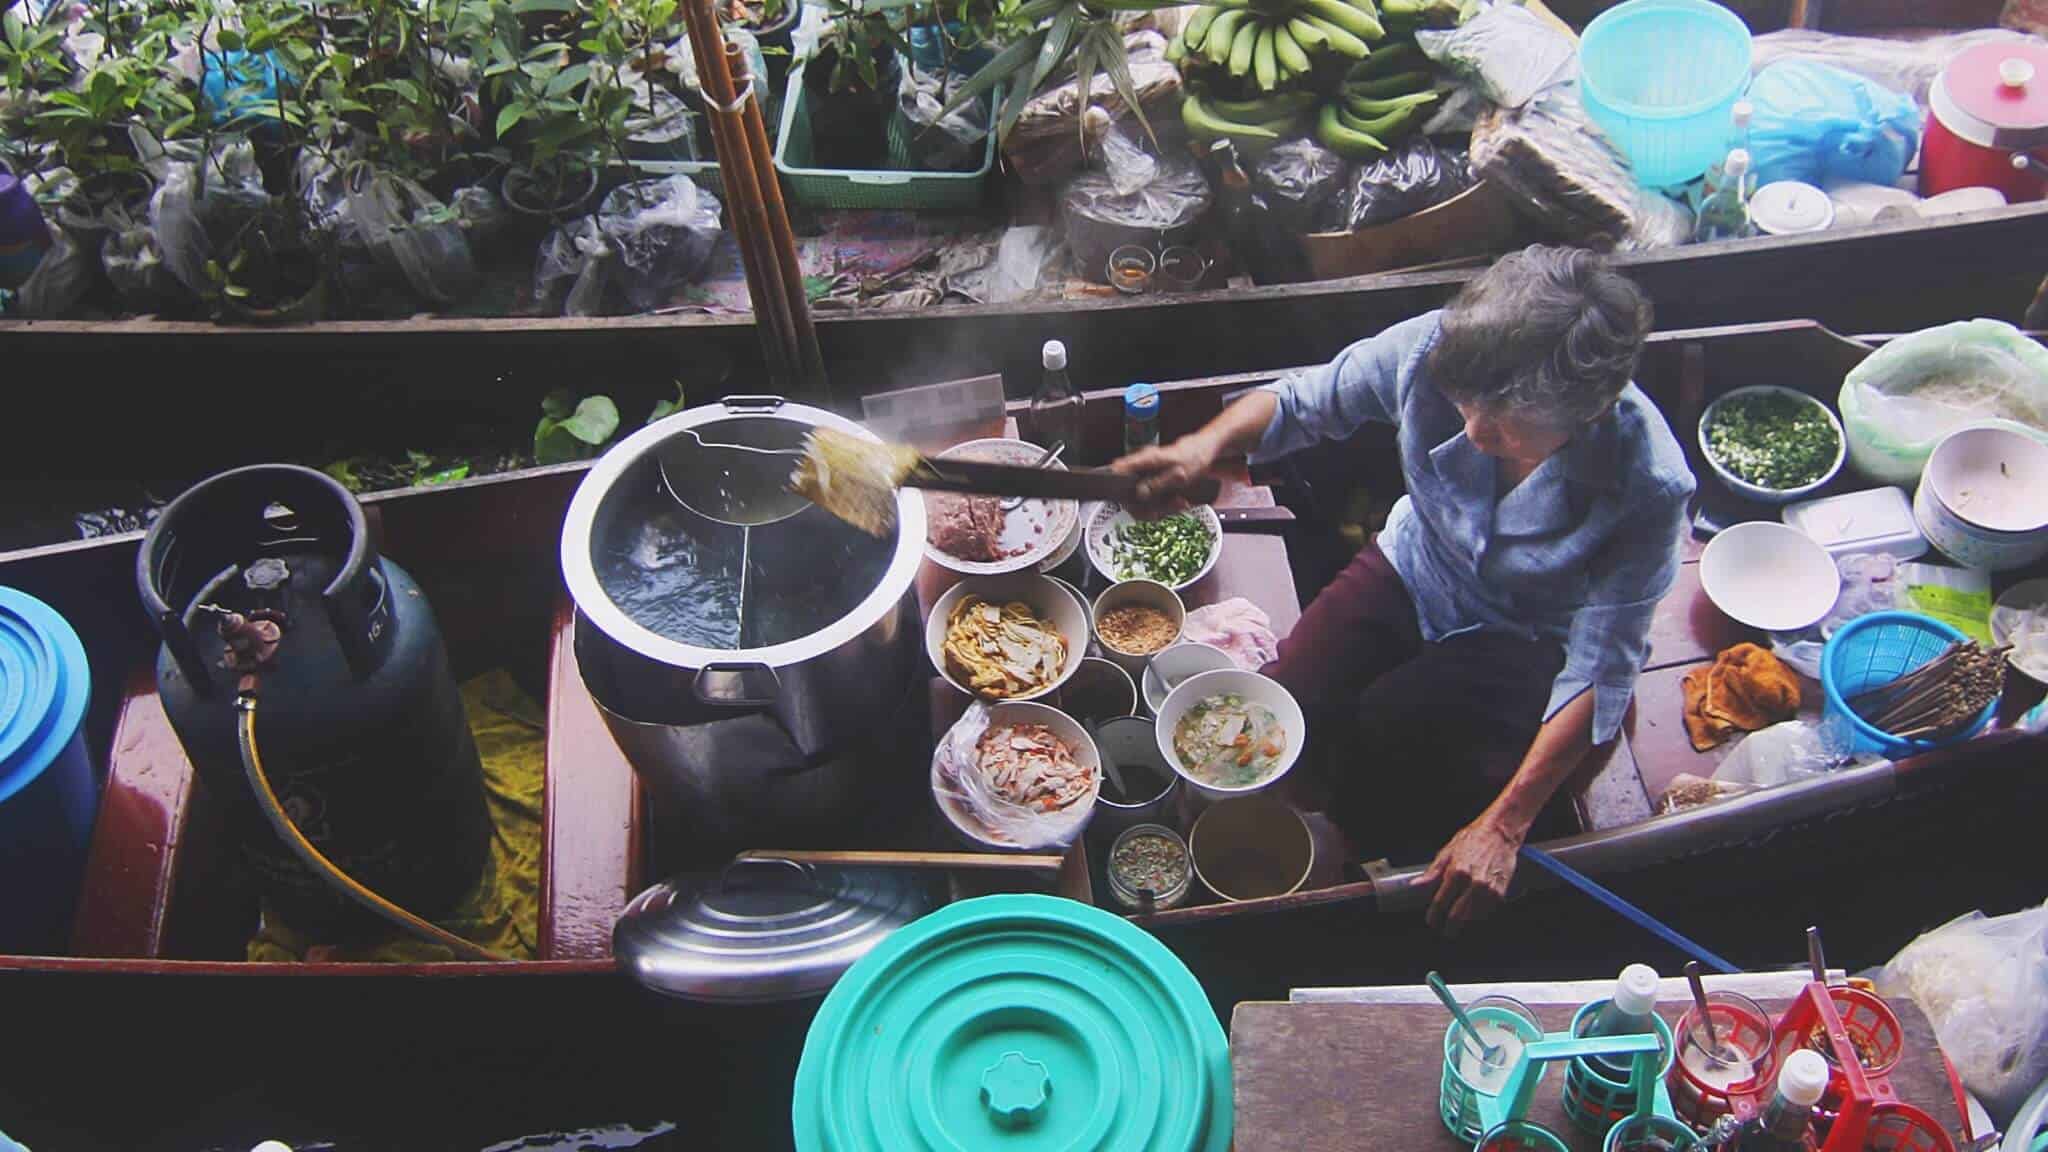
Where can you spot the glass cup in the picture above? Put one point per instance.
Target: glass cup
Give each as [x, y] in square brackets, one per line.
[1520, 1136]
[1501, 1020]
[1131, 268]
[1651, 1134]
[1704, 1081]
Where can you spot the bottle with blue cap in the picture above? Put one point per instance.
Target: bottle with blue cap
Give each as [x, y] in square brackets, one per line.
[1141, 417]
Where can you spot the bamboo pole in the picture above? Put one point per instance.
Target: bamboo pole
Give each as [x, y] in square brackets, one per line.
[811, 363]
[743, 198]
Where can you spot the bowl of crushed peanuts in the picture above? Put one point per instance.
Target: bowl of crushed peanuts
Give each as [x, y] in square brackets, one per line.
[1135, 619]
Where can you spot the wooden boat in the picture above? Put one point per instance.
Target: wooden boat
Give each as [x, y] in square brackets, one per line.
[1873, 854]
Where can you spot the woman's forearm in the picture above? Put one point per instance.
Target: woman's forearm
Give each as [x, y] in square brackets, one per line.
[1559, 748]
[1237, 429]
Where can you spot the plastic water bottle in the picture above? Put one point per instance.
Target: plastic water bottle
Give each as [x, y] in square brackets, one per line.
[1786, 1123]
[24, 236]
[1724, 215]
[1737, 138]
[1056, 407]
[1626, 1013]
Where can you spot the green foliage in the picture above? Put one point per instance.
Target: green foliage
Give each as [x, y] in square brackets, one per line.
[668, 407]
[573, 430]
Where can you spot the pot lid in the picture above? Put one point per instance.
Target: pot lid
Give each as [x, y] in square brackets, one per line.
[1026, 1022]
[764, 928]
[1996, 94]
[44, 686]
[1788, 206]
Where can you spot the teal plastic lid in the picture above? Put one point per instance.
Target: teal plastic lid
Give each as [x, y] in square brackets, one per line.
[44, 686]
[1142, 400]
[1015, 1022]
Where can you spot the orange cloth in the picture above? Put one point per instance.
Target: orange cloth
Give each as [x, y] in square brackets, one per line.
[1745, 689]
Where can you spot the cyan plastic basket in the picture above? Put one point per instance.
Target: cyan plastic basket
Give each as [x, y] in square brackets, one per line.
[1872, 651]
[1661, 78]
[1595, 1100]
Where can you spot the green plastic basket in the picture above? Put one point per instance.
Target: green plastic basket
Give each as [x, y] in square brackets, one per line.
[1596, 1101]
[906, 190]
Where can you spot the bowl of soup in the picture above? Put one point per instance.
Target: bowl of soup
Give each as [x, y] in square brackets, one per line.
[1230, 732]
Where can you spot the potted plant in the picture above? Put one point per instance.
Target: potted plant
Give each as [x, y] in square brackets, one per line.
[1046, 39]
[850, 84]
[559, 122]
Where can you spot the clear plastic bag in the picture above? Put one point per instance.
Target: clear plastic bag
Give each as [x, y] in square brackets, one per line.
[1869, 584]
[1816, 123]
[1044, 147]
[197, 214]
[953, 143]
[1898, 404]
[1983, 983]
[1906, 66]
[60, 280]
[1793, 750]
[1508, 54]
[408, 230]
[575, 253]
[663, 231]
[1296, 181]
[1548, 156]
[958, 782]
[135, 267]
[483, 214]
[1099, 219]
[1020, 263]
[1415, 176]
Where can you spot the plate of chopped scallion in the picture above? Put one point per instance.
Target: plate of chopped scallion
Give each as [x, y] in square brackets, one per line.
[1771, 444]
[1175, 551]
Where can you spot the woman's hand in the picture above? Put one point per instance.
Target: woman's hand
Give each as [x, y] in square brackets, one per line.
[1472, 872]
[1167, 475]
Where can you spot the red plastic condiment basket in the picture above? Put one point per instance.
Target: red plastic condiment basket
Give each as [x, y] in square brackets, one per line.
[1860, 1110]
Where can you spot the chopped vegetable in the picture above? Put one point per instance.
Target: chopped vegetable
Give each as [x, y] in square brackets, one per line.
[1171, 551]
[1773, 440]
[1229, 741]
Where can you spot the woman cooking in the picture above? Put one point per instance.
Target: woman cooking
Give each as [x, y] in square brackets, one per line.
[1492, 633]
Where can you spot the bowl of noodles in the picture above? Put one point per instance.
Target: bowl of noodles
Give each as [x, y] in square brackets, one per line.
[1015, 636]
[1230, 732]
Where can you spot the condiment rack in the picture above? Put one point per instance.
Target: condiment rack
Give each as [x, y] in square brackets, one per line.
[1504, 1116]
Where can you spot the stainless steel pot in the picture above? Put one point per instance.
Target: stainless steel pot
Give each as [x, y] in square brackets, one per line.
[770, 728]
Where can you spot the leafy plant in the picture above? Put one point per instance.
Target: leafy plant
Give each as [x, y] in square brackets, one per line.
[559, 115]
[864, 38]
[573, 430]
[1045, 37]
[668, 407]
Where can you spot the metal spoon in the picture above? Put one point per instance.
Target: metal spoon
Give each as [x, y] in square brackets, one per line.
[1489, 1054]
[1715, 1054]
[1050, 457]
[742, 492]
[1815, 959]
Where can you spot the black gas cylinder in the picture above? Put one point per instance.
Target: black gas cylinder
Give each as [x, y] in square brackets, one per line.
[359, 720]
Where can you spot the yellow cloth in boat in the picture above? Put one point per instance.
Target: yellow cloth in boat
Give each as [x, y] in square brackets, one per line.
[503, 913]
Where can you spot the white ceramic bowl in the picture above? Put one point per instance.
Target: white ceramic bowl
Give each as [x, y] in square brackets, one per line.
[2020, 618]
[1047, 598]
[1167, 669]
[1105, 520]
[1146, 593]
[1035, 530]
[1253, 687]
[1769, 576]
[1758, 492]
[1983, 499]
[1072, 734]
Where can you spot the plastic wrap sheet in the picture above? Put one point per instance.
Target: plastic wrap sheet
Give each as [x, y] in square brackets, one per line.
[953, 143]
[1908, 66]
[1045, 145]
[1983, 983]
[1295, 182]
[1415, 176]
[1099, 218]
[1508, 54]
[60, 280]
[646, 238]
[1550, 159]
[411, 232]
[959, 782]
[1898, 404]
[196, 214]
[135, 267]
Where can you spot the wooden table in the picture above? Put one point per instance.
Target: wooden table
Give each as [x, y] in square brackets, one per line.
[1325, 1077]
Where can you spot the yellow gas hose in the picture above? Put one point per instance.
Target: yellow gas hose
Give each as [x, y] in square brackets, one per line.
[281, 822]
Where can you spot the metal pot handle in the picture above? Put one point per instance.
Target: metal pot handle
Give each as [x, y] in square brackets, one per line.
[727, 874]
[752, 403]
[737, 685]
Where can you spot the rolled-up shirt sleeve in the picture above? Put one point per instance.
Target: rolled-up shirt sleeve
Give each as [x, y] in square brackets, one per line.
[1362, 384]
[1610, 633]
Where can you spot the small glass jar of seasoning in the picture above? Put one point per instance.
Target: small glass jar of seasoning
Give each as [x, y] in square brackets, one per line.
[1141, 417]
[1148, 868]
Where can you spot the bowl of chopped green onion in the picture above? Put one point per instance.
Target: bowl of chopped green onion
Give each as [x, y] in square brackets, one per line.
[1773, 445]
[1175, 551]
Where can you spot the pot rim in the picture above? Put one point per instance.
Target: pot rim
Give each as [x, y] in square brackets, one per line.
[589, 595]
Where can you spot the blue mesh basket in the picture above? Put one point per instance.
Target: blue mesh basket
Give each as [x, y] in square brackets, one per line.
[1875, 650]
[1660, 78]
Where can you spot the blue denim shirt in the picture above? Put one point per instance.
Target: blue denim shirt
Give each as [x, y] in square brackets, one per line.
[1580, 552]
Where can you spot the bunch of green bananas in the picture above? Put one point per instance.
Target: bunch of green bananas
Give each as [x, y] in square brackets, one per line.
[1275, 41]
[1383, 98]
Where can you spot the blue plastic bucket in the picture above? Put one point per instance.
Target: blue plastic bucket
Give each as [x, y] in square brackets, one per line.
[1660, 78]
[1875, 650]
[47, 792]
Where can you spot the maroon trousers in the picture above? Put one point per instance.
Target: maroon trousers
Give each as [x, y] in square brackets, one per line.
[1411, 739]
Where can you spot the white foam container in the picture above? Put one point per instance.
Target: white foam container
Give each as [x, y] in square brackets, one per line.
[1876, 520]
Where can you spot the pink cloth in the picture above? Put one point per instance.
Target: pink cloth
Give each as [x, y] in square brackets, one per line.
[1239, 627]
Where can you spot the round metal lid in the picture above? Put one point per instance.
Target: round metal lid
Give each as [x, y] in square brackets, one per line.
[1026, 1022]
[1788, 206]
[764, 928]
[1996, 94]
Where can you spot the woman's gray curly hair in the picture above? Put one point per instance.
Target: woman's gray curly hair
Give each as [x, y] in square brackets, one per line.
[1546, 335]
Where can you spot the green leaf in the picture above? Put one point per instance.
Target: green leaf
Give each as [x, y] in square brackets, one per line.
[522, 7]
[1006, 62]
[567, 79]
[1058, 43]
[558, 403]
[668, 407]
[594, 421]
[510, 115]
[552, 445]
[344, 474]
[230, 40]
[1118, 65]
[237, 291]
[444, 476]
[1084, 72]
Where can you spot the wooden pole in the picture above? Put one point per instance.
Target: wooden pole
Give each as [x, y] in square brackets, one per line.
[743, 201]
[810, 362]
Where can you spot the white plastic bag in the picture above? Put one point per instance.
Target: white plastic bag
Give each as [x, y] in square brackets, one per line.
[1983, 983]
[1898, 404]
[1793, 750]
[960, 782]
